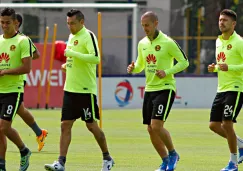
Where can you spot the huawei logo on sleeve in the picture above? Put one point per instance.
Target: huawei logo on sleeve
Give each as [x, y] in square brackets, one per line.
[221, 56]
[151, 58]
[4, 57]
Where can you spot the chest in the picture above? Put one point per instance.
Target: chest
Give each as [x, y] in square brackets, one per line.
[156, 52]
[78, 44]
[10, 51]
[228, 52]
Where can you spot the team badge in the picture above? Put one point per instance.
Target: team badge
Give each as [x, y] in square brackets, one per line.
[75, 42]
[229, 46]
[12, 48]
[157, 47]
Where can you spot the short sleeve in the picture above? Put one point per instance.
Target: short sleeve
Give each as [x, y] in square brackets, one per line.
[25, 48]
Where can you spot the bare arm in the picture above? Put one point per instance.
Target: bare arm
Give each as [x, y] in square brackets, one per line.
[23, 69]
[36, 54]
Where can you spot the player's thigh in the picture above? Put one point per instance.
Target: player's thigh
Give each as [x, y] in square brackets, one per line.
[71, 109]
[162, 104]
[10, 103]
[147, 107]
[217, 108]
[232, 105]
[89, 107]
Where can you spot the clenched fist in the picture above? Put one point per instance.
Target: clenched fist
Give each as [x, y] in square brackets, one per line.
[211, 67]
[130, 67]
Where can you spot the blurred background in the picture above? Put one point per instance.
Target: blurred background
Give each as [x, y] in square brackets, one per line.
[192, 23]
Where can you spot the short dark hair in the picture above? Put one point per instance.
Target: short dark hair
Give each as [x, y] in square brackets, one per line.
[9, 12]
[19, 19]
[79, 15]
[229, 13]
[153, 16]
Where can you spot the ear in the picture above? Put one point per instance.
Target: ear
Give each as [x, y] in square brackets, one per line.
[16, 22]
[234, 23]
[156, 23]
[82, 21]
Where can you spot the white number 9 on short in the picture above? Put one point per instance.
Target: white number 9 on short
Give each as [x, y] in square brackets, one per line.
[160, 109]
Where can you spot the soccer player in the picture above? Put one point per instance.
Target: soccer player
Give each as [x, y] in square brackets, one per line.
[229, 98]
[80, 89]
[25, 114]
[156, 54]
[15, 60]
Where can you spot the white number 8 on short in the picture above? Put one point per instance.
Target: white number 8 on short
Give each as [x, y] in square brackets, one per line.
[10, 109]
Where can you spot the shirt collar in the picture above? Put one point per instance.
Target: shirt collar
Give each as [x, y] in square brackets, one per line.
[81, 31]
[160, 34]
[231, 37]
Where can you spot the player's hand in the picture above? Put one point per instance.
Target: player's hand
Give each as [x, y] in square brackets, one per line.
[211, 67]
[63, 67]
[160, 73]
[2, 73]
[223, 67]
[130, 67]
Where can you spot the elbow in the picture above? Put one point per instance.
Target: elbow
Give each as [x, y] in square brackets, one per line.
[27, 69]
[97, 61]
[36, 55]
[187, 64]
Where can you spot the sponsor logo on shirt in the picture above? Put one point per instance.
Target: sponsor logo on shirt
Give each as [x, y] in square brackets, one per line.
[229, 46]
[221, 56]
[4, 57]
[12, 48]
[75, 42]
[157, 47]
[151, 58]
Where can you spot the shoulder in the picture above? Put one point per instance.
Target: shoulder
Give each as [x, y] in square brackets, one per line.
[143, 42]
[238, 38]
[90, 36]
[169, 39]
[22, 37]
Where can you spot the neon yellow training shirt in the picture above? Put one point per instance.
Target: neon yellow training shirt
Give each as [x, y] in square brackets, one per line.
[159, 54]
[81, 62]
[12, 51]
[230, 52]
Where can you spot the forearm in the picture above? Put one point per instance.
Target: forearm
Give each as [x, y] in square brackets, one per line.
[17, 71]
[180, 66]
[237, 68]
[90, 58]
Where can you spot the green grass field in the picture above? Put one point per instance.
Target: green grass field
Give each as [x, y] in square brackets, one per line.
[128, 140]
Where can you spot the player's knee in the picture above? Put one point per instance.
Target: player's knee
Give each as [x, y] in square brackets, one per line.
[214, 127]
[4, 129]
[91, 127]
[155, 128]
[66, 127]
[227, 126]
[149, 129]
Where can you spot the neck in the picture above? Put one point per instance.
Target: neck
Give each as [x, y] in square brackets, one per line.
[156, 33]
[226, 35]
[10, 35]
[80, 29]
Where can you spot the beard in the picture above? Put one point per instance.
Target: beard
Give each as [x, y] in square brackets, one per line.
[224, 29]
